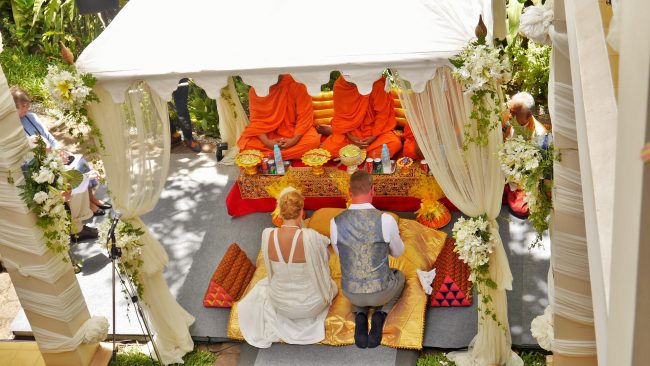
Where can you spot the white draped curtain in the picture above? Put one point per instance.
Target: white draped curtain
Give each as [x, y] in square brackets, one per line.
[136, 160]
[473, 181]
[232, 120]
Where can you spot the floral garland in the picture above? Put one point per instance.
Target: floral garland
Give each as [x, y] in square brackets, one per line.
[530, 166]
[128, 240]
[481, 69]
[45, 180]
[432, 212]
[71, 92]
[474, 246]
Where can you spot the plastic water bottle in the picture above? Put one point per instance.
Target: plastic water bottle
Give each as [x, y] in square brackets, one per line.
[279, 163]
[385, 160]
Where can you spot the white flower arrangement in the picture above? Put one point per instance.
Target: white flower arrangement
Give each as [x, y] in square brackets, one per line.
[67, 88]
[481, 70]
[71, 92]
[42, 192]
[530, 167]
[519, 158]
[473, 243]
[542, 329]
[128, 240]
[474, 246]
[481, 65]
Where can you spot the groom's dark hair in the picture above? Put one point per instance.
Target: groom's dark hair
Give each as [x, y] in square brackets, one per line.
[360, 182]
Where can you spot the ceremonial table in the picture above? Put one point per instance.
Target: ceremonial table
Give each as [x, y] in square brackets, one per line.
[249, 194]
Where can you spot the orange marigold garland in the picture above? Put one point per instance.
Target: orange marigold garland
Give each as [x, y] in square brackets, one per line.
[432, 212]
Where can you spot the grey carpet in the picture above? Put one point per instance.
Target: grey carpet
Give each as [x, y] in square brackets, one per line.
[191, 222]
[455, 327]
[284, 354]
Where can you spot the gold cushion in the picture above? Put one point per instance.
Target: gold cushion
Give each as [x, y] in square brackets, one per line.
[404, 327]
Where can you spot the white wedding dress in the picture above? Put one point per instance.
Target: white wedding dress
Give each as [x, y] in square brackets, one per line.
[291, 303]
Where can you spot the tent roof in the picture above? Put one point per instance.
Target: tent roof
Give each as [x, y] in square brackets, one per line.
[162, 41]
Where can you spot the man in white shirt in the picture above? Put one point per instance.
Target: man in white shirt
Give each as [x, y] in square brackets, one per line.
[363, 237]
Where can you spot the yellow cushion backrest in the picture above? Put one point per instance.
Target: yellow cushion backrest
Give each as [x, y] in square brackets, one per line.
[323, 108]
[400, 113]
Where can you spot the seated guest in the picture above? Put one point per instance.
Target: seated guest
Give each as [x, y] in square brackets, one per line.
[291, 303]
[284, 117]
[411, 148]
[521, 106]
[35, 129]
[363, 237]
[367, 121]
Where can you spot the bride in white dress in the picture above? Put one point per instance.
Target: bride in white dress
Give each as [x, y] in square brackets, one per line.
[291, 303]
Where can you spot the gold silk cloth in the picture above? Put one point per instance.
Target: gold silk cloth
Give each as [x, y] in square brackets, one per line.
[254, 186]
[404, 327]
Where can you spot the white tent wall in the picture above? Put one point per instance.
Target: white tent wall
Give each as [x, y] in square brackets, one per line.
[595, 110]
[34, 269]
[629, 301]
[573, 341]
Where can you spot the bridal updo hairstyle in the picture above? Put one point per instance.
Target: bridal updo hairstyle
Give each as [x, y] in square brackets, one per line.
[290, 205]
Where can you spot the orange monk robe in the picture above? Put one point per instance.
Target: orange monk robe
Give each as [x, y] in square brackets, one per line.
[363, 116]
[287, 111]
[410, 146]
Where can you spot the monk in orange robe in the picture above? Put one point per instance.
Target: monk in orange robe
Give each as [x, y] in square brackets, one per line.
[284, 117]
[411, 148]
[367, 121]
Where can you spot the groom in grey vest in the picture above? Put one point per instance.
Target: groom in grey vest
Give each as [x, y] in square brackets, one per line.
[363, 237]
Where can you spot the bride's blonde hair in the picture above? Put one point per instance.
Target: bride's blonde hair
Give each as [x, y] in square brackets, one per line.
[291, 203]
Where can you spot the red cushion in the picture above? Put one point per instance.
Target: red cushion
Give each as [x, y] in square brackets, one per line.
[451, 287]
[230, 279]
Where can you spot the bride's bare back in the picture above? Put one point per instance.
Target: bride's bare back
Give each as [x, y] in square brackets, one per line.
[285, 237]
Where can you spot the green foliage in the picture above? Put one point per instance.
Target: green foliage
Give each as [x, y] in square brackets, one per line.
[333, 76]
[27, 71]
[50, 214]
[482, 118]
[242, 92]
[199, 358]
[530, 69]
[131, 356]
[513, 12]
[37, 26]
[541, 182]
[203, 110]
[533, 358]
[438, 359]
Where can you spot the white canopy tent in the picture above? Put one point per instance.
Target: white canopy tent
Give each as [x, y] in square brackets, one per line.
[259, 39]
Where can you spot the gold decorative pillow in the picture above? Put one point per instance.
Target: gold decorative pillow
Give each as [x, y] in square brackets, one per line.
[404, 327]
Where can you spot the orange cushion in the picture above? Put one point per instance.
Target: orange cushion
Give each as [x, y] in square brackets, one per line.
[230, 279]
